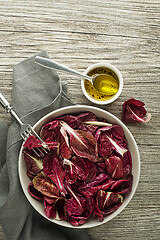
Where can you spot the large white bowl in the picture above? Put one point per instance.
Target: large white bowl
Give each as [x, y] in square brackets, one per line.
[92, 222]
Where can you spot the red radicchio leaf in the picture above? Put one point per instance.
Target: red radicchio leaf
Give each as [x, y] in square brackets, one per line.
[55, 208]
[32, 142]
[69, 119]
[107, 202]
[71, 173]
[50, 210]
[102, 181]
[52, 167]
[49, 132]
[114, 167]
[92, 170]
[127, 164]
[78, 207]
[82, 143]
[134, 111]
[122, 186]
[77, 220]
[74, 205]
[77, 169]
[64, 149]
[45, 185]
[107, 140]
[33, 163]
[86, 117]
[34, 192]
[30, 175]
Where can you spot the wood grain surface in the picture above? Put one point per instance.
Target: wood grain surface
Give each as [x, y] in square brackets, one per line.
[78, 33]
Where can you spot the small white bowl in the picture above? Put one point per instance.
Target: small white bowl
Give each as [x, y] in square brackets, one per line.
[91, 222]
[113, 70]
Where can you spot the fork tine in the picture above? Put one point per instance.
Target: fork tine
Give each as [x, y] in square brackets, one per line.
[39, 151]
[26, 129]
[43, 143]
[34, 150]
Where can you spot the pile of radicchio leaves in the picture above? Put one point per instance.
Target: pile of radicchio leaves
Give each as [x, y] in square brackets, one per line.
[86, 172]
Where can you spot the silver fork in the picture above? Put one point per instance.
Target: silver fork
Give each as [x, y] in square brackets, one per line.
[26, 130]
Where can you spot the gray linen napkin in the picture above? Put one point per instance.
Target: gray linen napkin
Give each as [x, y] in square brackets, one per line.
[36, 92]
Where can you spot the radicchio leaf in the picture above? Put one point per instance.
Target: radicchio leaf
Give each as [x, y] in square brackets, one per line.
[74, 201]
[34, 192]
[45, 185]
[82, 143]
[108, 140]
[64, 149]
[127, 164]
[77, 220]
[82, 125]
[49, 132]
[107, 202]
[114, 167]
[53, 168]
[33, 163]
[32, 142]
[134, 111]
[50, 210]
[55, 208]
[102, 181]
[78, 208]
[76, 169]
[92, 170]
[122, 186]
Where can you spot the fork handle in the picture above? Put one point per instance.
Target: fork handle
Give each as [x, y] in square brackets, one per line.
[9, 109]
[5, 103]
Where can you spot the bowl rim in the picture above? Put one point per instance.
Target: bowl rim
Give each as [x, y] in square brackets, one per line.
[78, 109]
[117, 72]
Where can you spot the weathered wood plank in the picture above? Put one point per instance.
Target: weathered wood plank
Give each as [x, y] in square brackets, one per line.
[79, 33]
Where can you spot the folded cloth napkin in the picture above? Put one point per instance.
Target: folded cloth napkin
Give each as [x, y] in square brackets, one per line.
[36, 92]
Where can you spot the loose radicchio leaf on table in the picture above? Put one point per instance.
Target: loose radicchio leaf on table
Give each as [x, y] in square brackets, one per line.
[82, 143]
[45, 185]
[108, 140]
[133, 111]
[106, 203]
[53, 168]
[33, 163]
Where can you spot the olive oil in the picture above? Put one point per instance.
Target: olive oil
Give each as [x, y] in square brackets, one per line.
[106, 84]
[110, 82]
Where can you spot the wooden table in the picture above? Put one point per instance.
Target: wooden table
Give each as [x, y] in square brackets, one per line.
[78, 34]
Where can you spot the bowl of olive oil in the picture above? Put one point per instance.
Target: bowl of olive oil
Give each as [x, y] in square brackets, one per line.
[109, 80]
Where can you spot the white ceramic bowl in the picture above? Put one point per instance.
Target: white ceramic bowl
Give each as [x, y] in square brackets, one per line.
[92, 222]
[115, 71]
